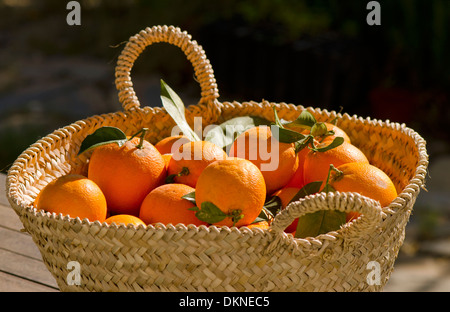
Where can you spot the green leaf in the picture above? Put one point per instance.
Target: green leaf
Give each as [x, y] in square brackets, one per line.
[273, 206]
[288, 136]
[328, 188]
[336, 142]
[260, 218]
[319, 222]
[284, 135]
[224, 134]
[308, 189]
[304, 120]
[210, 213]
[277, 120]
[219, 136]
[190, 197]
[264, 215]
[175, 108]
[102, 136]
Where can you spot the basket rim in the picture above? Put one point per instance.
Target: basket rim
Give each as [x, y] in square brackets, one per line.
[317, 243]
[414, 185]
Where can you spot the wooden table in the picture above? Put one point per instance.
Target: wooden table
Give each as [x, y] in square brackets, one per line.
[21, 265]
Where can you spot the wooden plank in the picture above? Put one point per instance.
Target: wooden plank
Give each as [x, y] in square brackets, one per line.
[3, 199]
[9, 219]
[11, 237]
[21, 265]
[20, 243]
[26, 268]
[13, 283]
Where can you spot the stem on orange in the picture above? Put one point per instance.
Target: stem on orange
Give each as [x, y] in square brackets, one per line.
[338, 173]
[142, 132]
[141, 141]
[236, 215]
[184, 171]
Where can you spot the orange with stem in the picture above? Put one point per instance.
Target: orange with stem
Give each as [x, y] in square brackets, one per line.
[230, 192]
[187, 163]
[277, 161]
[127, 173]
[165, 204]
[365, 179]
[317, 164]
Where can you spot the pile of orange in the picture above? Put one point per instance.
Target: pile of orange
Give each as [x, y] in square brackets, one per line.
[344, 168]
[196, 182]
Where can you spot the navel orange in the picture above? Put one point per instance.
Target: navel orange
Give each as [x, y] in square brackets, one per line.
[127, 173]
[317, 164]
[188, 162]
[363, 178]
[171, 144]
[277, 161]
[236, 187]
[124, 219]
[165, 205]
[73, 195]
[261, 225]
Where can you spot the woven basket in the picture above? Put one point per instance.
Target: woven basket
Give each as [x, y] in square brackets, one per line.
[358, 257]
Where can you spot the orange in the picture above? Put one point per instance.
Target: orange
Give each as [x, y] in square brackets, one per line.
[166, 158]
[165, 205]
[277, 161]
[235, 186]
[126, 174]
[338, 132]
[261, 224]
[286, 194]
[365, 179]
[297, 179]
[170, 144]
[317, 164]
[73, 195]
[125, 219]
[188, 162]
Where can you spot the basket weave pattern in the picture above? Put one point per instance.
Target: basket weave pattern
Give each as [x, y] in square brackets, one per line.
[189, 258]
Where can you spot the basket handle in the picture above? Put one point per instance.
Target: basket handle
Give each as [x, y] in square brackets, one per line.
[370, 209]
[172, 35]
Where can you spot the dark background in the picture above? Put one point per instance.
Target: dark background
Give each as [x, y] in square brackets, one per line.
[319, 53]
[314, 53]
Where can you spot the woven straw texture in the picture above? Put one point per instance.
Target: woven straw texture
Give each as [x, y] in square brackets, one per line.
[189, 258]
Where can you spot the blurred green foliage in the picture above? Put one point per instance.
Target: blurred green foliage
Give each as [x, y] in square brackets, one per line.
[413, 31]
[410, 49]
[416, 25]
